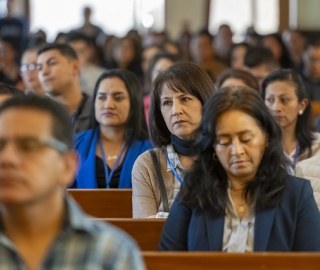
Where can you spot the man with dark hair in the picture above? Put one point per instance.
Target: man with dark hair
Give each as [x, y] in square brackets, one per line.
[89, 73]
[41, 227]
[260, 63]
[8, 91]
[311, 69]
[59, 70]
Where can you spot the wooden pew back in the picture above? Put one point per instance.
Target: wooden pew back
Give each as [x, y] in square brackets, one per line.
[231, 261]
[315, 109]
[104, 203]
[146, 231]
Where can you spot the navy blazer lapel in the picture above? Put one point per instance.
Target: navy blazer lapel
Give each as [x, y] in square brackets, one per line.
[215, 228]
[262, 228]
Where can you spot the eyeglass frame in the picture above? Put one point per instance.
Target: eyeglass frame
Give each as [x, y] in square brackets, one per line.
[50, 142]
[31, 67]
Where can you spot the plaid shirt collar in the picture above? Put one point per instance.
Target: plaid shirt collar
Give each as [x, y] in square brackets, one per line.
[74, 218]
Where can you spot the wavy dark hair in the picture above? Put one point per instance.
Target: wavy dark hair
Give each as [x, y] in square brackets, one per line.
[183, 77]
[304, 126]
[205, 185]
[136, 127]
[243, 75]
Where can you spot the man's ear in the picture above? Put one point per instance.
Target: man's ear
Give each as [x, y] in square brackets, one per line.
[76, 67]
[71, 161]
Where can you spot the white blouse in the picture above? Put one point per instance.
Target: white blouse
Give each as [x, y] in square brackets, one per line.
[238, 235]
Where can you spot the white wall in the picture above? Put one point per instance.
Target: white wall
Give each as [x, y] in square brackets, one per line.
[178, 11]
[308, 14]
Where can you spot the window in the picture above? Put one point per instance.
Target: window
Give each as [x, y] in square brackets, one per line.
[241, 14]
[114, 17]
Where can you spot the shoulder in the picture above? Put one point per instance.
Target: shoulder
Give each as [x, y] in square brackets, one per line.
[106, 232]
[310, 169]
[145, 158]
[144, 164]
[102, 234]
[144, 144]
[81, 138]
[295, 182]
[115, 246]
[297, 189]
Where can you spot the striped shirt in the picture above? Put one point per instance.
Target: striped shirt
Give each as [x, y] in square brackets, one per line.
[81, 244]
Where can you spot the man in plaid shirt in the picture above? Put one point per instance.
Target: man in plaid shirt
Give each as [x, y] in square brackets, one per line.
[40, 226]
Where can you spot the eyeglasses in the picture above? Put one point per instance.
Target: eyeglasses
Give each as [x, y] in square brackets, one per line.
[25, 68]
[28, 145]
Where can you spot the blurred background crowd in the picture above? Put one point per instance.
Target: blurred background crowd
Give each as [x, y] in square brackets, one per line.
[150, 46]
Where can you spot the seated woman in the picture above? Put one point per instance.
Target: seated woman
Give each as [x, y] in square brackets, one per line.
[284, 94]
[118, 133]
[238, 197]
[235, 77]
[175, 112]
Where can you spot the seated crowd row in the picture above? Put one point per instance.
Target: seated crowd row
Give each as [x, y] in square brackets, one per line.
[224, 161]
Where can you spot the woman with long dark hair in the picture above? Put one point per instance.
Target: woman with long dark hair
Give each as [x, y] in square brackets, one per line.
[238, 196]
[118, 133]
[285, 95]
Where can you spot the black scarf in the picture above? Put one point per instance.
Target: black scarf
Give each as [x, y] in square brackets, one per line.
[181, 146]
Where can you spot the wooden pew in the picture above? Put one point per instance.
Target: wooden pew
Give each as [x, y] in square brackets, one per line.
[315, 109]
[231, 261]
[104, 203]
[146, 231]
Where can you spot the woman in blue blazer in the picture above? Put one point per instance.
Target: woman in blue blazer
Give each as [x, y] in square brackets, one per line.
[118, 133]
[238, 197]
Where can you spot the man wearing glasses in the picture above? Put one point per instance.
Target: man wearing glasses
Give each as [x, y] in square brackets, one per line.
[29, 72]
[40, 226]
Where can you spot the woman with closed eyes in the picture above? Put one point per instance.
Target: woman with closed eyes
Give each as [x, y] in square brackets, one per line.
[118, 133]
[238, 195]
[177, 97]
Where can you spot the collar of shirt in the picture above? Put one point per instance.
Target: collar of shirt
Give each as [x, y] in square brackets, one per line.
[74, 219]
[174, 159]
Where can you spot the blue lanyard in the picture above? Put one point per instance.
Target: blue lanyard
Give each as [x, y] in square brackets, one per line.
[295, 157]
[108, 175]
[174, 171]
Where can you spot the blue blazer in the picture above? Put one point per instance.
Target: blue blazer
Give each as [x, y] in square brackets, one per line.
[86, 176]
[292, 225]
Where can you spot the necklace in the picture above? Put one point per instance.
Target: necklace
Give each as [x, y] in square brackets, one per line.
[241, 206]
[237, 189]
[111, 158]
